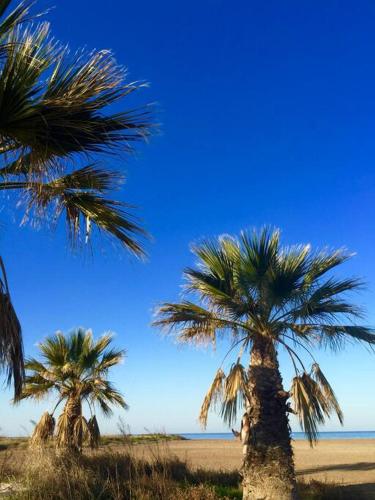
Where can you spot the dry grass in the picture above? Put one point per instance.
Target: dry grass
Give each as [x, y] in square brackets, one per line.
[109, 474]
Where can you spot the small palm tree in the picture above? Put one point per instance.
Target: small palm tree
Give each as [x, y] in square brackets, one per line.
[54, 115]
[262, 297]
[75, 367]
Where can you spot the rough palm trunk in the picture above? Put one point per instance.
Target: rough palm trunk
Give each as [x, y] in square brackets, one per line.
[268, 467]
[72, 432]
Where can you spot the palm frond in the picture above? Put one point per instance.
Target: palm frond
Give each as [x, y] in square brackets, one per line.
[307, 406]
[93, 433]
[20, 14]
[110, 358]
[64, 115]
[235, 392]
[259, 252]
[193, 323]
[81, 431]
[334, 336]
[105, 394]
[11, 348]
[55, 350]
[214, 393]
[330, 397]
[43, 430]
[322, 262]
[35, 387]
[314, 401]
[62, 430]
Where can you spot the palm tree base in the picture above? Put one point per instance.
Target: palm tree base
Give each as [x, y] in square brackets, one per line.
[269, 475]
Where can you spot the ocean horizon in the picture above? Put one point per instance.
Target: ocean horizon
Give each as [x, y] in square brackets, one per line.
[298, 436]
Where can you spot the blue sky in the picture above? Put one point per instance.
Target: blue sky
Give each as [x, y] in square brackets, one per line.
[268, 117]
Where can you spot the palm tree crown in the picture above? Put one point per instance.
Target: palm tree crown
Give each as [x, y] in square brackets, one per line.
[252, 290]
[75, 368]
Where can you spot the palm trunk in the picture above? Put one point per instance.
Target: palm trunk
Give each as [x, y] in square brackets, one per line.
[268, 467]
[70, 437]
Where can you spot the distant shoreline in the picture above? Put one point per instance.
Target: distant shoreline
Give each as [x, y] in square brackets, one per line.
[296, 436]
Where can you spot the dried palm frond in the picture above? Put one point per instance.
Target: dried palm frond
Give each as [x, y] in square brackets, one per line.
[327, 391]
[81, 432]
[63, 438]
[306, 405]
[43, 430]
[71, 431]
[11, 348]
[313, 402]
[93, 432]
[214, 393]
[235, 392]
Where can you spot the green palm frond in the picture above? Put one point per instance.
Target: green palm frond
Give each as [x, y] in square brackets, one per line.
[64, 115]
[55, 350]
[322, 262]
[194, 323]
[258, 253]
[78, 198]
[214, 394]
[36, 388]
[283, 278]
[334, 336]
[106, 395]
[110, 358]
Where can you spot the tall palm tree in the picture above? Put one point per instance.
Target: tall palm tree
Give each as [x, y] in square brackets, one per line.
[75, 367]
[54, 116]
[262, 297]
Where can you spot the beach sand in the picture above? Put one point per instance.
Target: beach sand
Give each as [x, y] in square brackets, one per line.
[343, 461]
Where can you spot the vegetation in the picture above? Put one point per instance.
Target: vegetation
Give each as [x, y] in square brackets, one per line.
[122, 475]
[14, 443]
[261, 297]
[76, 368]
[54, 117]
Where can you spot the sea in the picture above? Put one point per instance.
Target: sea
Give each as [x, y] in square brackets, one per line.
[295, 435]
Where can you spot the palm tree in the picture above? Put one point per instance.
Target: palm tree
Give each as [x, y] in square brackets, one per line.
[75, 367]
[262, 297]
[54, 116]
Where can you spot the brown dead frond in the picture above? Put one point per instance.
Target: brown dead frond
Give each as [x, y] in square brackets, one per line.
[214, 393]
[94, 432]
[43, 430]
[328, 392]
[62, 431]
[235, 392]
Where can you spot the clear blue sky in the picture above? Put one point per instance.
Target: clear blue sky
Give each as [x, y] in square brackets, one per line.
[268, 113]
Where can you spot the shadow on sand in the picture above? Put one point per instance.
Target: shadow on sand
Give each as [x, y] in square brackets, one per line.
[359, 491]
[360, 466]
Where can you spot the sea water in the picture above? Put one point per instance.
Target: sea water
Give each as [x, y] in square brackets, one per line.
[295, 435]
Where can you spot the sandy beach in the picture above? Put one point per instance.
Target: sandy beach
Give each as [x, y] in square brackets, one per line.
[347, 462]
